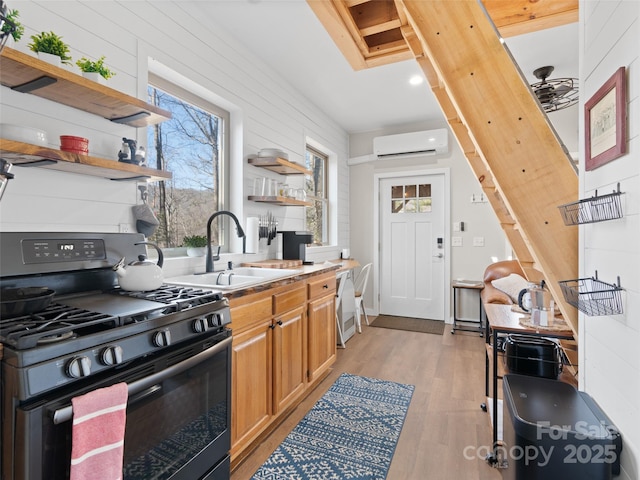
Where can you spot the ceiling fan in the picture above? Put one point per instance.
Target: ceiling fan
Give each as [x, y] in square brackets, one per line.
[557, 93]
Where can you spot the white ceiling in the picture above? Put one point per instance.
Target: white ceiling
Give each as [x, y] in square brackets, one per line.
[287, 35]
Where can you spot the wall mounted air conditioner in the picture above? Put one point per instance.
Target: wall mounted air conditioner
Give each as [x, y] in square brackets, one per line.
[428, 142]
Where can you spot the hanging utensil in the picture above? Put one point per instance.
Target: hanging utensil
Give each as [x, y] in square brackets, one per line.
[5, 176]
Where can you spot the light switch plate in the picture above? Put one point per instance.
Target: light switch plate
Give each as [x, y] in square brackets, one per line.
[478, 241]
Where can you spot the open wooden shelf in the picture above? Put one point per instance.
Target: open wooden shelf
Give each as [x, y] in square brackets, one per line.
[28, 155]
[28, 74]
[283, 201]
[279, 165]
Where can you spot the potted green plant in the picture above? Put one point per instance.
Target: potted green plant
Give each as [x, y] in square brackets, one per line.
[95, 70]
[48, 45]
[196, 245]
[12, 25]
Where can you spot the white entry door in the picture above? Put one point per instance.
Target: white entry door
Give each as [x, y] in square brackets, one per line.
[412, 235]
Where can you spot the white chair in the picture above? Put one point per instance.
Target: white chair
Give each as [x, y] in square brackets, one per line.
[360, 286]
[340, 278]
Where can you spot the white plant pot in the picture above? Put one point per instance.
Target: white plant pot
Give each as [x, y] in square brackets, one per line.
[49, 58]
[196, 251]
[94, 77]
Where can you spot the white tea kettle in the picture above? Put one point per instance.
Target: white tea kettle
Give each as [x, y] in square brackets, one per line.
[142, 275]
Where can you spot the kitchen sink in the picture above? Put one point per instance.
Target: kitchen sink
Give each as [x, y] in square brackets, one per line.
[232, 279]
[268, 273]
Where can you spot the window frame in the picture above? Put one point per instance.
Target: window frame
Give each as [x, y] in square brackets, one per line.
[172, 87]
[325, 199]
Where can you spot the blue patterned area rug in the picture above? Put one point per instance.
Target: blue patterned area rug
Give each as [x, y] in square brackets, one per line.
[351, 433]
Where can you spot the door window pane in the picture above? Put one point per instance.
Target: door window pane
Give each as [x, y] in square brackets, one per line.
[411, 198]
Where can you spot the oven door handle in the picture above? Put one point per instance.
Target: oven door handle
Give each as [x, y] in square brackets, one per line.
[66, 413]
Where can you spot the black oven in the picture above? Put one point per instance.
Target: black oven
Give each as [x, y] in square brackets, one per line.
[173, 350]
[178, 418]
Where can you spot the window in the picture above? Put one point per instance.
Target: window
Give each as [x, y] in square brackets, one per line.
[411, 198]
[192, 147]
[316, 190]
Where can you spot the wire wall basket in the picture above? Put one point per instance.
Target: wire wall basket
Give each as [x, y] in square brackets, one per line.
[592, 296]
[594, 209]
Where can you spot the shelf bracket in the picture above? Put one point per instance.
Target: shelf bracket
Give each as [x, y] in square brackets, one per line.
[36, 84]
[131, 118]
[37, 163]
[131, 179]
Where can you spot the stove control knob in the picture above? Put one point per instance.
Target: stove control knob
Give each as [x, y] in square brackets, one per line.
[216, 319]
[162, 338]
[111, 355]
[79, 367]
[200, 325]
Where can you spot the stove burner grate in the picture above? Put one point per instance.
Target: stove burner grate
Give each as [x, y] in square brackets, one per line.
[55, 323]
[182, 297]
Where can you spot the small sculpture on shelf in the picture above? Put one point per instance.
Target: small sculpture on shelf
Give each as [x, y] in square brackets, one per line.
[127, 153]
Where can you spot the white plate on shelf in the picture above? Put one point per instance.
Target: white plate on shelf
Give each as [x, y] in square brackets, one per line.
[273, 152]
[19, 133]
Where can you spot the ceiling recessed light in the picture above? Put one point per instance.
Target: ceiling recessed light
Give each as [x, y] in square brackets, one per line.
[416, 80]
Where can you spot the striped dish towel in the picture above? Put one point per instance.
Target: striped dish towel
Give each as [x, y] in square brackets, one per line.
[99, 419]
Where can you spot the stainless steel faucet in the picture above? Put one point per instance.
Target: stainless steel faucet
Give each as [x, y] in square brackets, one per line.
[240, 231]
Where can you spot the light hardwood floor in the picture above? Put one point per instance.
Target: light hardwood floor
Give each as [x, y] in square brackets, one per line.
[444, 417]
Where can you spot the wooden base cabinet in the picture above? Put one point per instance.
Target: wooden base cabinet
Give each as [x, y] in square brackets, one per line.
[321, 292]
[322, 335]
[284, 339]
[251, 367]
[289, 349]
[251, 384]
[289, 366]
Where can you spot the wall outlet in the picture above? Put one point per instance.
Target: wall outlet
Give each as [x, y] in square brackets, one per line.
[478, 241]
[125, 228]
[456, 241]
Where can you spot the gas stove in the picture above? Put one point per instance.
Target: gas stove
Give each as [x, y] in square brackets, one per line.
[171, 346]
[92, 325]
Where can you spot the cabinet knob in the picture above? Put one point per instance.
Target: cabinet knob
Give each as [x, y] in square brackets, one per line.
[279, 322]
[325, 286]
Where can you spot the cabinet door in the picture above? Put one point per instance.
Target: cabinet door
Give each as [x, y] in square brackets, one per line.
[289, 358]
[251, 382]
[322, 335]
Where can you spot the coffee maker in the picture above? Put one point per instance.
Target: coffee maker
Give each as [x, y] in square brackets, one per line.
[294, 245]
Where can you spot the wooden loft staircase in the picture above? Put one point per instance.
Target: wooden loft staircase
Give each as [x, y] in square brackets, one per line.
[515, 154]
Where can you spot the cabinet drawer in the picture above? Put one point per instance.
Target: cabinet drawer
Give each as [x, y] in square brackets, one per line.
[249, 310]
[322, 284]
[289, 299]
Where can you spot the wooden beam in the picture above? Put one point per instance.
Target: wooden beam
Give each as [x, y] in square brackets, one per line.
[333, 22]
[517, 17]
[350, 22]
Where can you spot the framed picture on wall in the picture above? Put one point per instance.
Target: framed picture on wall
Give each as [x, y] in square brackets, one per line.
[605, 122]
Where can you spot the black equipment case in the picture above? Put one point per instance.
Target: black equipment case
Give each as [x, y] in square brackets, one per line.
[553, 431]
[529, 355]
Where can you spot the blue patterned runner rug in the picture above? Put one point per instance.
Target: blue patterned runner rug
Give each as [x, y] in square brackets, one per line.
[350, 433]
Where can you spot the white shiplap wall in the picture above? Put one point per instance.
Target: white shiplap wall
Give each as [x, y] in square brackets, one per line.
[610, 362]
[266, 111]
